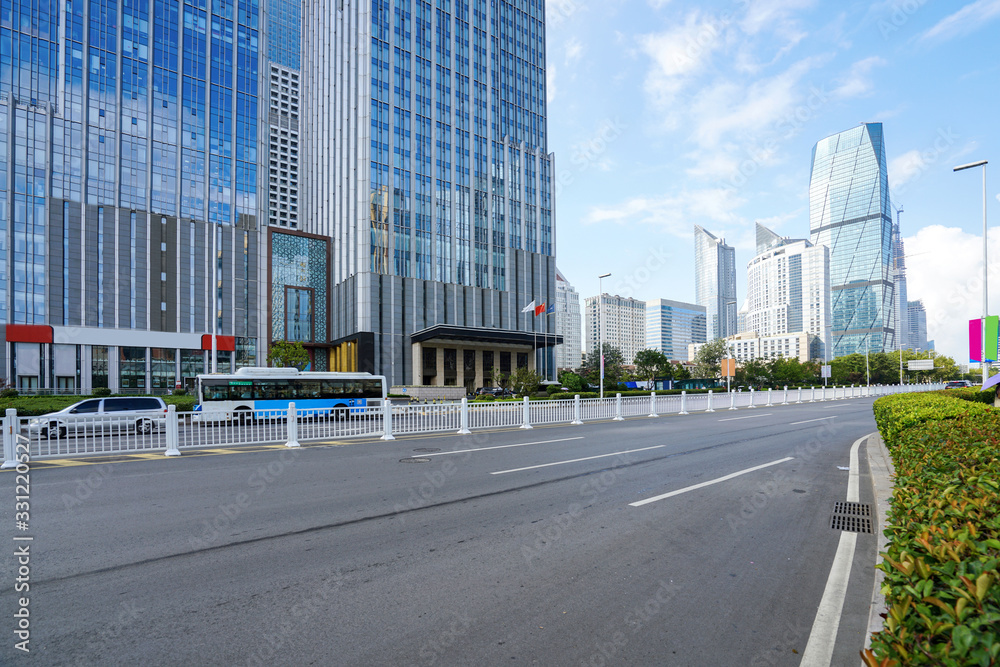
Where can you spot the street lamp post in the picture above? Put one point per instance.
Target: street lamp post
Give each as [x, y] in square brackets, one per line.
[982, 163]
[600, 325]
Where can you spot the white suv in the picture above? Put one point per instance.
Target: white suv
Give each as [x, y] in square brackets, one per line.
[118, 413]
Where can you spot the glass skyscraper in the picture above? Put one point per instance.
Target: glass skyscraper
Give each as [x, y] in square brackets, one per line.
[673, 325]
[129, 133]
[426, 161]
[715, 282]
[849, 212]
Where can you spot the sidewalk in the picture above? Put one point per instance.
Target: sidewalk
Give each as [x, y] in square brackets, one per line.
[883, 476]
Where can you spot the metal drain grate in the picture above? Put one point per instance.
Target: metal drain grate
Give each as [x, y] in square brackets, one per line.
[852, 517]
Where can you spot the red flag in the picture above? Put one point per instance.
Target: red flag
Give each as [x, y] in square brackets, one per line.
[539, 309]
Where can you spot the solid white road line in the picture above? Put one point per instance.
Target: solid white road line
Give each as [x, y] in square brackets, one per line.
[813, 420]
[823, 638]
[589, 458]
[486, 449]
[732, 419]
[640, 503]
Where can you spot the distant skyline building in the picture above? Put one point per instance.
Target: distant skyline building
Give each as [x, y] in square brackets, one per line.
[425, 158]
[788, 288]
[715, 282]
[917, 316]
[849, 212]
[900, 304]
[284, 22]
[748, 346]
[568, 324]
[671, 326]
[624, 324]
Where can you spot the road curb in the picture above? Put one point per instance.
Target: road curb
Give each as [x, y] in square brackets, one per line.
[883, 474]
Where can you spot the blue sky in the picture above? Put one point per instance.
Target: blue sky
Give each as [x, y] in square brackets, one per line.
[664, 114]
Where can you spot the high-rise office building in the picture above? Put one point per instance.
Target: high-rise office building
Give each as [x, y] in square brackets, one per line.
[900, 304]
[284, 29]
[671, 326]
[130, 186]
[568, 323]
[715, 282]
[616, 320]
[917, 316]
[849, 212]
[788, 288]
[425, 159]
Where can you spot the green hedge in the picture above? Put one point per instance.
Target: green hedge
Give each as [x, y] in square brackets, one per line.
[944, 532]
[33, 406]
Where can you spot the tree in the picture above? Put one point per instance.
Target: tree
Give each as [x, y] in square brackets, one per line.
[650, 363]
[613, 362]
[288, 354]
[524, 381]
[709, 358]
[571, 381]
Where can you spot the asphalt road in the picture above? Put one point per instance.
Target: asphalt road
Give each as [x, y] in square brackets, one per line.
[523, 551]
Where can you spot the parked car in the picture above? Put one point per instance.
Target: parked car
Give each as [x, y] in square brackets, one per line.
[118, 413]
[957, 384]
[498, 392]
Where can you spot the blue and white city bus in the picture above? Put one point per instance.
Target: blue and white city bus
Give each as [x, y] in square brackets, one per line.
[258, 393]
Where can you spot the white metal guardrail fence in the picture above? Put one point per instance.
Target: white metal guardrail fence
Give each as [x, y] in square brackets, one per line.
[172, 433]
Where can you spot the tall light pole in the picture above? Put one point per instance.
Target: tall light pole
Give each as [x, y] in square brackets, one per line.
[982, 363]
[600, 325]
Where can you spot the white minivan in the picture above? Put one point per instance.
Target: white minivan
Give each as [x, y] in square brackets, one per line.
[140, 414]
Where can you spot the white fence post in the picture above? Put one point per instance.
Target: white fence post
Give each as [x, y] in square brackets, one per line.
[172, 439]
[732, 399]
[812, 396]
[784, 400]
[526, 420]
[293, 426]
[751, 400]
[464, 425]
[387, 420]
[652, 404]
[10, 431]
[768, 398]
[618, 408]
[710, 402]
[683, 403]
[800, 394]
[576, 411]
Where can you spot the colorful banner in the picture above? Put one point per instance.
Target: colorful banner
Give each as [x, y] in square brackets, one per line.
[992, 338]
[975, 340]
[992, 325]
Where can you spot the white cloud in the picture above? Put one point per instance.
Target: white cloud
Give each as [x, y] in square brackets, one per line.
[574, 51]
[674, 214]
[727, 108]
[677, 55]
[905, 168]
[550, 83]
[773, 14]
[951, 297]
[857, 82]
[966, 20]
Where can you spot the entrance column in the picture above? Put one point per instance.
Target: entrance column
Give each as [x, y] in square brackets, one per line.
[417, 364]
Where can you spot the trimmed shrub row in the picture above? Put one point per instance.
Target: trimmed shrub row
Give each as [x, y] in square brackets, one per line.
[944, 532]
[33, 406]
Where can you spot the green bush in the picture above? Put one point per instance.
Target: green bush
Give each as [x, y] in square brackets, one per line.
[944, 532]
[9, 392]
[101, 391]
[485, 398]
[552, 389]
